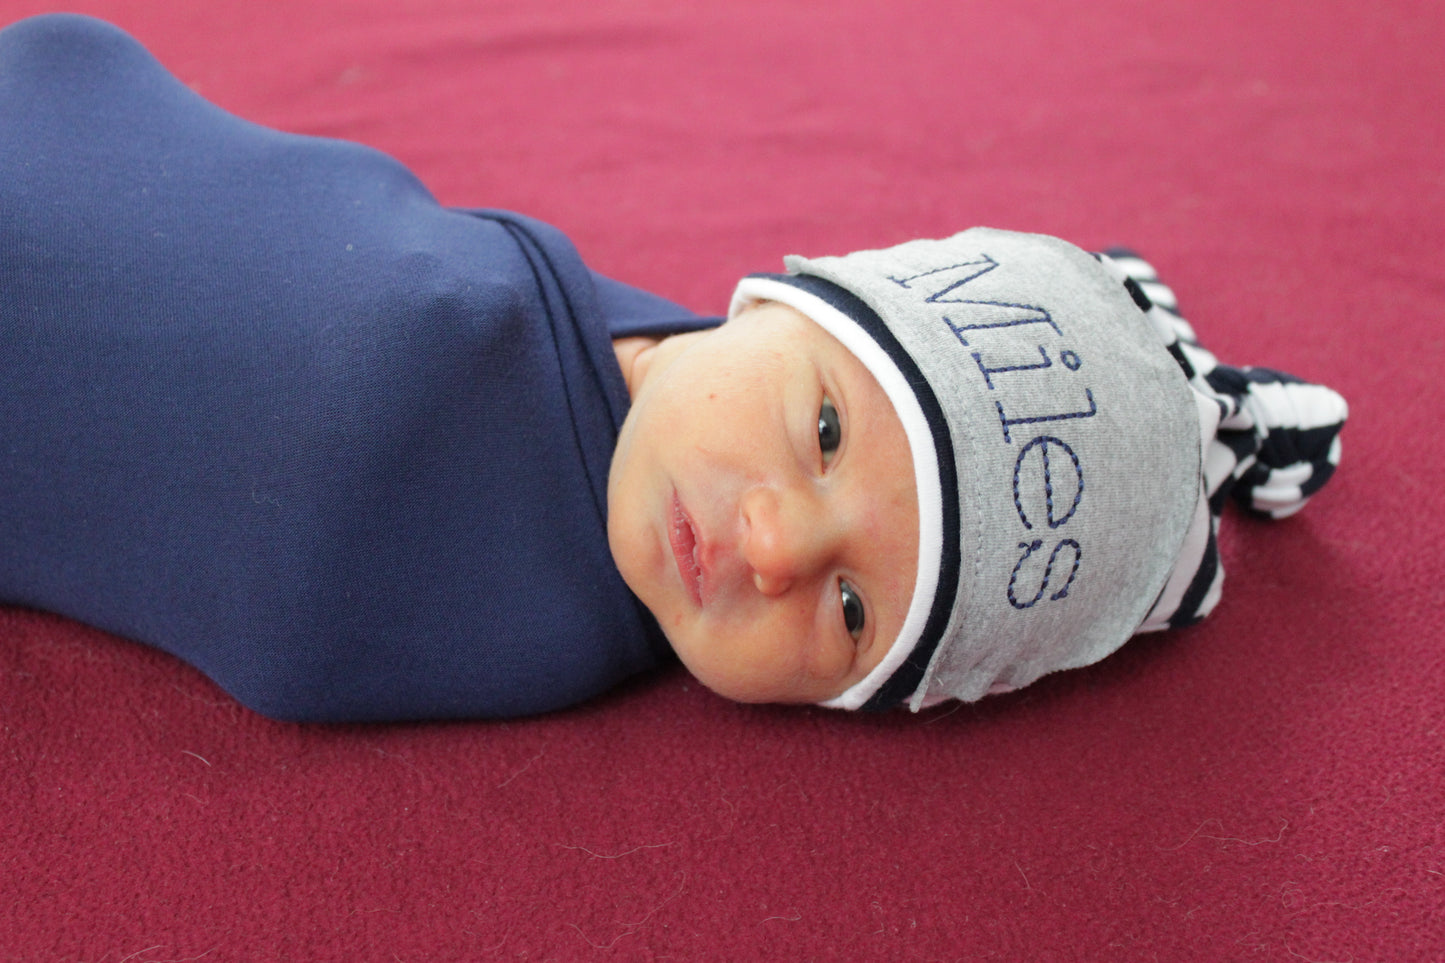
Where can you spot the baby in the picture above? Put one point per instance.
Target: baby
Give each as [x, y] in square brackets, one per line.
[354, 455]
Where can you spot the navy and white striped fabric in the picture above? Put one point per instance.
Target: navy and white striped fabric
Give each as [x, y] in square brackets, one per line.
[1274, 443]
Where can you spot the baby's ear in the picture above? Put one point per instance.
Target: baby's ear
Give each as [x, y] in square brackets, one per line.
[629, 350]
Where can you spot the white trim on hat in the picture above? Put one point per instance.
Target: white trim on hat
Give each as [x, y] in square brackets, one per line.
[925, 464]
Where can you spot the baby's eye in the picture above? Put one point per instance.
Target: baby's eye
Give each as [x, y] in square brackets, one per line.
[830, 432]
[852, 610]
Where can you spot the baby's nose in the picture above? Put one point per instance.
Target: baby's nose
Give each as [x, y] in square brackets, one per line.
[784, 539]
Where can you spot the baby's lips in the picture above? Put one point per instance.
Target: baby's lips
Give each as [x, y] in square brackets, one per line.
[682, 537]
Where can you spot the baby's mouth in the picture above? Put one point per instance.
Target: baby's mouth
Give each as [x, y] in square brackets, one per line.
[683, 537]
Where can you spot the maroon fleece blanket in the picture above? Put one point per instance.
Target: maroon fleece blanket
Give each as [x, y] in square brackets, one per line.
[1267, 786]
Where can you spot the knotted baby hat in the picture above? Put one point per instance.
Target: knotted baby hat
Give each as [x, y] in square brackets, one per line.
[1055, 446]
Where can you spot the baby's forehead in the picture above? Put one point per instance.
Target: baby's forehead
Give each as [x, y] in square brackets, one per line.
[753, 307]
[788, 327]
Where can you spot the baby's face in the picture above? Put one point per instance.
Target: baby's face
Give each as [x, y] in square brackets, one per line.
[761, 504]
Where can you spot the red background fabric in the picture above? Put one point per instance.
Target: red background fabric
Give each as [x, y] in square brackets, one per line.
[1267, 786]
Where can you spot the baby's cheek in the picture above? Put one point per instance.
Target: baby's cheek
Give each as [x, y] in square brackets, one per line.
[826, 660]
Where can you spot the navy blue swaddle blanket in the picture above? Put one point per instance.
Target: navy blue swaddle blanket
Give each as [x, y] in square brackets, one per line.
[269, 407]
